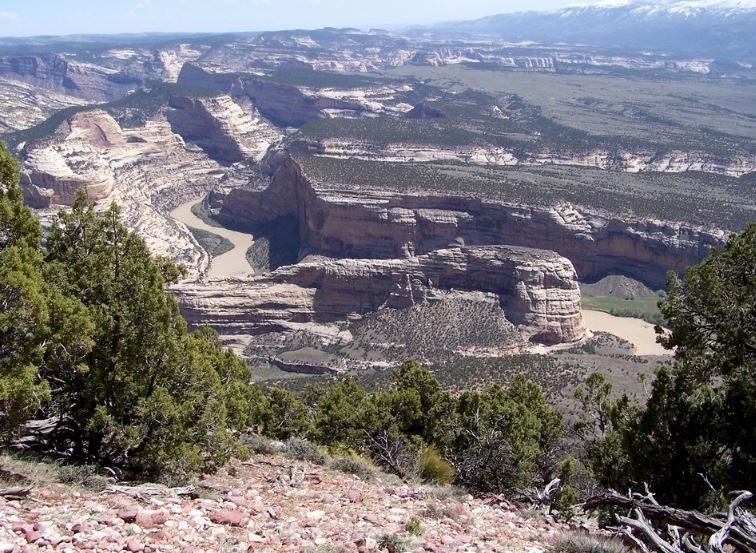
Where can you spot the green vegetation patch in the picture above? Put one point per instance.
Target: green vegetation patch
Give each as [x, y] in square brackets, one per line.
[645, 308]
[203, 214]
[730, 202]
[623, 297]
[212, 243]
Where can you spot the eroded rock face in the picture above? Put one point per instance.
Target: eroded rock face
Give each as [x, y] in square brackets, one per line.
[341, 222]
[53, 174]
[225, 130]
[145, 169]
[630, 161]
[537, 290]
[284, 105]
[83, 80]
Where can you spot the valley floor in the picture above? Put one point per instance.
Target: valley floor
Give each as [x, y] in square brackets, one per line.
[636, 331]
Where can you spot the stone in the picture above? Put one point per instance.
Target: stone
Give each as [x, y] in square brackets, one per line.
[150, 519]
[128, 515]
[229, 517]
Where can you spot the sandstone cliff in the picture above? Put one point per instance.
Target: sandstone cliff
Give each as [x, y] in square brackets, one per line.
[80, 79]
[537, 290]
[284, 105]
[225, 130]
[631, 161]
[144, 169]
[387, 224]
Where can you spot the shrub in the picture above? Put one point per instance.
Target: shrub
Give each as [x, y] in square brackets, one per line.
[285, 415]
[433, 468]
[392, 543]
[86, 476]
[568, 496]
[413, 527]
[330, 549]
[354, 465]
[303, 450]
[261, 445]
[438, 512]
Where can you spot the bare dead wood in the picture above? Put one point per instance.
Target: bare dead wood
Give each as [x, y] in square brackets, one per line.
[15, 493]
[541, 498]
[643, 527]
[717, 540]
[144, 490]
[739, 534]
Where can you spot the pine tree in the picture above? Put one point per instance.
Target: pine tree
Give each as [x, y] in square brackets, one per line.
[153, 397]
[42, 331]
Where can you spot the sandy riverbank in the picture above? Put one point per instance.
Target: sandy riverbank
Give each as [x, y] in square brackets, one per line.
[636, 331]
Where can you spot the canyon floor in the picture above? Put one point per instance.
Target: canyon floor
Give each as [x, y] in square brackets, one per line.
[234, 261]
[266, 504]
[638, 332]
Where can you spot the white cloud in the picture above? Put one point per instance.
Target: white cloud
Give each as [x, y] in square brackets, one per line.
[8, 16]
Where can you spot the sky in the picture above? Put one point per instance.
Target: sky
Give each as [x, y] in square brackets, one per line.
[61, 17]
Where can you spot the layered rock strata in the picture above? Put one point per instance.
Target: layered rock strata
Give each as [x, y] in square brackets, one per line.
[537, 290]
[635, 161]
[339, 221]
[284, 105]
[225, 130]
[141, 168]
[80, 79]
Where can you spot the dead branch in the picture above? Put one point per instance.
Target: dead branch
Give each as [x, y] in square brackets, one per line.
[545, 497]
[717, 540]
[14, 493]
[738, 529]
[151, 490]
[643, 527]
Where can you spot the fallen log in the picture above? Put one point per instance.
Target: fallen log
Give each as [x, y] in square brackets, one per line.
[735, 529]
[15, 493]
[152, 489]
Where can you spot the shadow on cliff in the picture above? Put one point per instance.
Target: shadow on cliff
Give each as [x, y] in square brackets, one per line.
[276, 244]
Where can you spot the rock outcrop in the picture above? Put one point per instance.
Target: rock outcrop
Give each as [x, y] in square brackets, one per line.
[225, 130]
[630, 161]
[386, 224]
[284, 105]
[23, 105]
[537, 290]
[53, 174]
[145, 169]
[83, 80]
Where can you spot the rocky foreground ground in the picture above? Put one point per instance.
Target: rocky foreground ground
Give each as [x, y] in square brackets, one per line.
[270, 504]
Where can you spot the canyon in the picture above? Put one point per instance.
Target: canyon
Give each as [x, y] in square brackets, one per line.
[418, 191]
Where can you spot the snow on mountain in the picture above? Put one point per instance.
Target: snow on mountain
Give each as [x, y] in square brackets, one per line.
[720, 29]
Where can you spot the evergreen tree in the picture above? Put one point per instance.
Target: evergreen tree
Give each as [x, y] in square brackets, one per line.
[41, 330]
[153, 397]
[699, 428]
[695, 439]
[502, 436]
[340, 414]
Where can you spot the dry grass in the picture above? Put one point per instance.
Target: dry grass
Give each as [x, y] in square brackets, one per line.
[37, 472]
[581, 543]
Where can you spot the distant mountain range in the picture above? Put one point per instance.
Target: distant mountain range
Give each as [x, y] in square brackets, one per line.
[698, 28]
